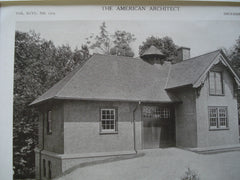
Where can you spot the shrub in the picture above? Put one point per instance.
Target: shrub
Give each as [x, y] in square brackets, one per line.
[190, 175]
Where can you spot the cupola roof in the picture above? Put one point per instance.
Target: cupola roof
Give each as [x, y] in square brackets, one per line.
[152, 51]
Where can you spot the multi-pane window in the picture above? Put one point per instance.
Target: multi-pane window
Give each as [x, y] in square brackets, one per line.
[108, 120]
[164, 112]
[218, 117]
[213, 117]
[49, 122]
[215, 83]
[156, 112]
[49, 170]
[44, 167]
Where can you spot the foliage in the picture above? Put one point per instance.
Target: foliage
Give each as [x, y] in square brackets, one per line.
[234, 56]
[38, 65]
[114, 44]
[121, 42]
[102, 42]
[165, 44]
[190, 175]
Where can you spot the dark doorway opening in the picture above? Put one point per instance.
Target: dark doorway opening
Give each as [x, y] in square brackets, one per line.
[158, 126]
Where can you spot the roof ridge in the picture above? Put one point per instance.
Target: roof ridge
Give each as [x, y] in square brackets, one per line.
[199, 56]
[79, 70]
[116, 56]
[169, 72]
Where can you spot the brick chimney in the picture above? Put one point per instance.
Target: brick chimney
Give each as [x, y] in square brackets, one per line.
[183, 53]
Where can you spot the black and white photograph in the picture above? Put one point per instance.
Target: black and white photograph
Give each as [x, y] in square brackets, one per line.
[141, 98]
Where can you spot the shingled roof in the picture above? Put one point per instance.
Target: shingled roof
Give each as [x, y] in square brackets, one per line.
[106, 77]
[152, 51]
[188, 71]
[118, 78]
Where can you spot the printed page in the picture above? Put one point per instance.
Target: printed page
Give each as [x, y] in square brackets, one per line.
[134, 88]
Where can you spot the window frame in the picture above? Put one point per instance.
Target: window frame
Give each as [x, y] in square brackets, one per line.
[49, 122]
[44, 168]
[49, 169]
[218, 119]
[222, 86]
[108, 131]
[155, 111]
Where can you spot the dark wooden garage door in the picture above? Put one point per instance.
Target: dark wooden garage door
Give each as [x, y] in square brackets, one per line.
[158, 126]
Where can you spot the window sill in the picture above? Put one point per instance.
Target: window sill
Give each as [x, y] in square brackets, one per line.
[219, 129]
[110, 132]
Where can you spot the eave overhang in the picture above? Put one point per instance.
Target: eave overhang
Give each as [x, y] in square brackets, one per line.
[104, 99]
[221, 58]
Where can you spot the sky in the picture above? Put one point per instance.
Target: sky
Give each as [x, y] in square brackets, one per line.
[201, 36]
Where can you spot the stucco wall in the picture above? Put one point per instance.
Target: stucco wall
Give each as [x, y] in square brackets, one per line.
[185, 114]
[37, 165]
[82, 127]
[208, 137]
[40, 129]
[138, 125]
[52, 142]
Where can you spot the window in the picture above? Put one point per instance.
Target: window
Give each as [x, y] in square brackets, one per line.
[44, 167]
[218, 117]
[108, 121]
[215, 83]
[49, 170]
[49, 122]
[163, 112]
[156, 112]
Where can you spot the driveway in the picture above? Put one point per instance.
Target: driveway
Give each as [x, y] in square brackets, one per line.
[163, 164]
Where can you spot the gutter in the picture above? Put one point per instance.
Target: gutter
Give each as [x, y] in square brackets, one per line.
[99, 99]
[134, 127]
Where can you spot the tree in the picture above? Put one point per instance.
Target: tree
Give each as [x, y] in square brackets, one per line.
[116, 44]
[80, 55]
[165, 44]
[102, 41]
[28, 74]
[121, 41]
[234, 55]
[38, 65]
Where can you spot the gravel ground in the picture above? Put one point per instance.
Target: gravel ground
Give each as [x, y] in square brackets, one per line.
[163, 164]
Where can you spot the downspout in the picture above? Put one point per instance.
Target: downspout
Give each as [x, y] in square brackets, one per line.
[134, 128]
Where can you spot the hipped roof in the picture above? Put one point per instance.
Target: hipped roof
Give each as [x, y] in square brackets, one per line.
[106, 77]
[118, 78]
[152, 51]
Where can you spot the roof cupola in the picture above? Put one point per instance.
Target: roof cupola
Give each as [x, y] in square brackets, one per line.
[153, 55]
